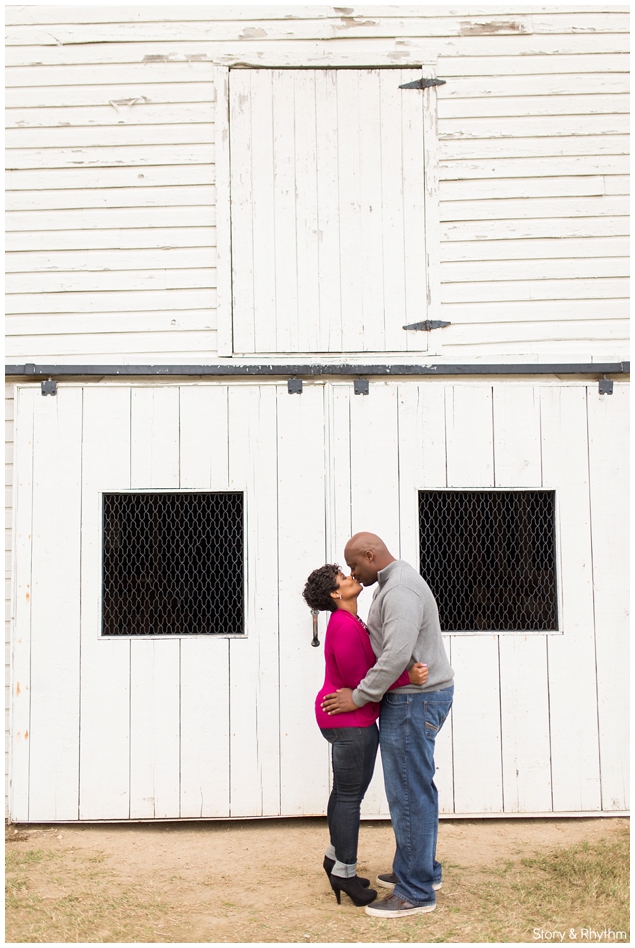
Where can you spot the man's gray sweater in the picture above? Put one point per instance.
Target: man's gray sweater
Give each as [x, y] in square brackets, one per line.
[404, 628]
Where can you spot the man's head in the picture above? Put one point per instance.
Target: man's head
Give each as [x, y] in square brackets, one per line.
[366, 554]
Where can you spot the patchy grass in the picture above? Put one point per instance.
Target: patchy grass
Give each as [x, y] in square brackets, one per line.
[69, 900]
[73, 896]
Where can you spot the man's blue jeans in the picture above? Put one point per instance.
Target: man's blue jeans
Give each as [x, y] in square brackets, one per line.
[408, 726]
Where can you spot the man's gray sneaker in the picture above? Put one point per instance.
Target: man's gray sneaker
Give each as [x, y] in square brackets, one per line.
[389, 880]
[394, 907]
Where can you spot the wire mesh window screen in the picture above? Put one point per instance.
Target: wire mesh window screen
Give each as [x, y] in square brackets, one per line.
[173, 564]
[489, 557]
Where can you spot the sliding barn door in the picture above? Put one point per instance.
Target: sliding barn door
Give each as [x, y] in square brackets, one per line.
[327, 209]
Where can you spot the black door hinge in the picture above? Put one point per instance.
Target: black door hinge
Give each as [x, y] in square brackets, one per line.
[49, 387]
[423, 83]
[427, 325]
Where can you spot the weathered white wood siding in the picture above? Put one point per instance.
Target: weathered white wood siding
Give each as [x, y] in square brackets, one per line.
[9, 410]
[539, 719]
[113, 145]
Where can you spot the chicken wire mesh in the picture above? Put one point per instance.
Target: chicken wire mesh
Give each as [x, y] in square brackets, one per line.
[173, 564]
[489, 558]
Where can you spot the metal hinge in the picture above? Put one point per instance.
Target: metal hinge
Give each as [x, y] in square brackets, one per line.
[49, 387]
[427, 325]
[423, 83]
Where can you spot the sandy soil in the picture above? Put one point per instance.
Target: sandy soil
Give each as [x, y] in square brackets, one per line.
[262, 880]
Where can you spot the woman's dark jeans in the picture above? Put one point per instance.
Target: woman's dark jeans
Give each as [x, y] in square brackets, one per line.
[353, 751]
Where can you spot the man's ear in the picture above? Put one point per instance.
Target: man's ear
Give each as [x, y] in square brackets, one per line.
[370, 555]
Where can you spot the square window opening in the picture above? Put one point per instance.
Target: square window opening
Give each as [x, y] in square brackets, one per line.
[173, 564]
[489, 558]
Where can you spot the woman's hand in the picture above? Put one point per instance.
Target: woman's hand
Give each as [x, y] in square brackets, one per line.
[418, 674]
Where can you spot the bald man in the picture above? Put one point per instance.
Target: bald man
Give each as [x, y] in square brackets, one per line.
[404, 628]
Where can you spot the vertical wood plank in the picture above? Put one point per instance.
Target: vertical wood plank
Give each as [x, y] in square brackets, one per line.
[393, 241]
[55, 611]
[204, 728]
[525, 724]
[254, 681]
[375, 478]
[220, 78]
[421, 456]
[371, 212]
[306, 211]
[476, 718]
[284, 189]
[154, 459]
[301, 549]
[468, 414]
[241, 139]
[203, 437]
[348, 155]
[204, 660]
[523, 659]
[572, 676]
[416, 244]
[328, 210]
[432, 219]
[338, 483]
[154, 664]
[422, 465]
[444, 753]
[476, 727]
[375, 502]
[608, 483]
[516, 410]
[20, 718]
[262, 210]
[105, 662]
[154, 729]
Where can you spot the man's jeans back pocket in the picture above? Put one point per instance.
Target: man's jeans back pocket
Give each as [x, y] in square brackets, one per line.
[435, 713]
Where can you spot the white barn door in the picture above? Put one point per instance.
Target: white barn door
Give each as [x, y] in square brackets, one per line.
[327, 210]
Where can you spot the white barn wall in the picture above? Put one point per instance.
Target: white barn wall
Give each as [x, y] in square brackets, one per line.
[112, 233]
[526, 735]
[9, 414]
[117, 253]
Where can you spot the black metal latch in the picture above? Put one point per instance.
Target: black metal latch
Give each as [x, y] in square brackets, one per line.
[427, 325]
[423, 83]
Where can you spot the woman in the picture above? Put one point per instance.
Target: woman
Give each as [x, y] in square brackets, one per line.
[348, 655]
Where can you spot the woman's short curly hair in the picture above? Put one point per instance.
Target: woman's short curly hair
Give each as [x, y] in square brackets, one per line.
[319, 586]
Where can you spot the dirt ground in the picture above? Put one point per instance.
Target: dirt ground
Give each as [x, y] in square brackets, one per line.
[258, 881]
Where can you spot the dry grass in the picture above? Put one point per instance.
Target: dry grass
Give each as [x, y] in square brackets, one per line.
[55, 898]
[72, 896]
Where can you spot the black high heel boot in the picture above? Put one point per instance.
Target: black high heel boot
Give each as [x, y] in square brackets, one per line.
[354, 890]
[328, 868]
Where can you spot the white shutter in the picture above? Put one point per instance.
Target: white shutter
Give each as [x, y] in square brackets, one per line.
[327, 207]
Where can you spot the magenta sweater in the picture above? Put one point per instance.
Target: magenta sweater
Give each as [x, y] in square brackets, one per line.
[348, 655]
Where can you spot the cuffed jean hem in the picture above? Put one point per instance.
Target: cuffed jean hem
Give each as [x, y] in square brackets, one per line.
[410, 901]
[343, 870]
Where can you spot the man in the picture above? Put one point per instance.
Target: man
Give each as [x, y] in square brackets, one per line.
[404, 627]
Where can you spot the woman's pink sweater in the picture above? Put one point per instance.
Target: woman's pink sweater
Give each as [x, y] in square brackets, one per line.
[348, 655]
